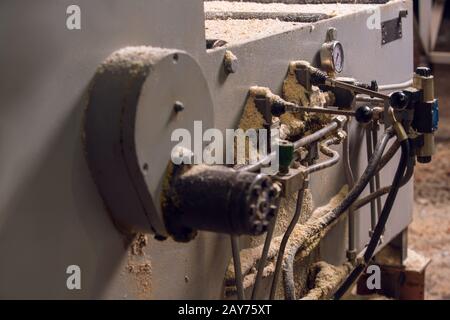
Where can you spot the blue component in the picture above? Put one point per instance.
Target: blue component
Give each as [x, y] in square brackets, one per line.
[435, 113]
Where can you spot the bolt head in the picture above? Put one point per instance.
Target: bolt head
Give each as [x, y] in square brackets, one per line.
[230, 62]
[178, 106]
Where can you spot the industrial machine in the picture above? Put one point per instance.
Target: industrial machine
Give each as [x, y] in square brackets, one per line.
[120, 149]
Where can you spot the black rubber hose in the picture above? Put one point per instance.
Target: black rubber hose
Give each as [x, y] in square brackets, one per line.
[374, 241]
[333, 216]
[396, 184]
[385, 190]
[361, 184]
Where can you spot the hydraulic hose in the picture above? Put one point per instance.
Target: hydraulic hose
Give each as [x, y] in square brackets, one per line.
[383, 191]
[361, 184]
[389, 155]
[287, 235]
[334, 215]
[374, 241]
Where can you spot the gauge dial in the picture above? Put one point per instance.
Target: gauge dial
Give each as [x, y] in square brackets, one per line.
[338, 57]
[332, 56]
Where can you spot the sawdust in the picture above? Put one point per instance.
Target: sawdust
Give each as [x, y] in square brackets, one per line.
[139, 267]
[325, 278]
[138, 245]
[142, 277]
[234, 31]
[333, 9]
[301, 123]
[133, 60]
[306, 237]
[251, 117]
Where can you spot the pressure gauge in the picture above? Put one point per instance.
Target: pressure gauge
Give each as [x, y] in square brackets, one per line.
[332, 56]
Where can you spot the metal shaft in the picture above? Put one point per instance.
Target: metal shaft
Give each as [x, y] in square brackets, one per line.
[294, 108]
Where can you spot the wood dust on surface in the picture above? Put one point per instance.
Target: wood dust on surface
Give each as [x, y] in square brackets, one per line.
[139, 268]
[332, 9]
[234, 31]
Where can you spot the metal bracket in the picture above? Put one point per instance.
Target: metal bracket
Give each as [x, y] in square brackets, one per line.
[392, 30]
[292, 182]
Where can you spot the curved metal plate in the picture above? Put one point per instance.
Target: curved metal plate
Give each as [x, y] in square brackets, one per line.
[129, 122]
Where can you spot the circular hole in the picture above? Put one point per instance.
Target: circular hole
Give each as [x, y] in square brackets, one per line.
[145, 168]
[176, 57]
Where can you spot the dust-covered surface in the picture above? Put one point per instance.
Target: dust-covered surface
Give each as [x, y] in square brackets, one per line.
[325, 278]
[134, 60]
[305, 238]
[430, 231]
[139, 268]
[331, 9]
[307, 234]
[234, 31]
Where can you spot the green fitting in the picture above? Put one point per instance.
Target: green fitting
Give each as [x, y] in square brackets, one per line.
[286, 152]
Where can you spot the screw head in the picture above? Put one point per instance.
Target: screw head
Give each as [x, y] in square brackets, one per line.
[178, 106]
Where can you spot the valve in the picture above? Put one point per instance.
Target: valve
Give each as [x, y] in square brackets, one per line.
[426, 115]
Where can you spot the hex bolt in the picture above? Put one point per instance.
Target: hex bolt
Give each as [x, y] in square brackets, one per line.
[230, 62]
[178, 106]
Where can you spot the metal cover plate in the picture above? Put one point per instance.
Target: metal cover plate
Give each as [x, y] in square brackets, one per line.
[391, 30]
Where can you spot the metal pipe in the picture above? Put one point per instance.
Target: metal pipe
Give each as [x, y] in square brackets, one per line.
[284, 241]
[314, 137]
[294, 108]
[369, 147]
[377, 175]
[351, 182]
[264, 254]
[324, 149]
[356, 89]
[235, 248]
[396, 86]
